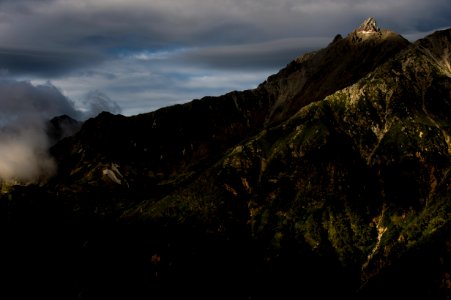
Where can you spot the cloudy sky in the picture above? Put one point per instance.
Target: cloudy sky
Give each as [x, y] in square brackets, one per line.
[140, 55]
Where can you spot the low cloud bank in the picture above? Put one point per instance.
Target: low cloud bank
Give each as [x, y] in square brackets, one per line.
[25, 112]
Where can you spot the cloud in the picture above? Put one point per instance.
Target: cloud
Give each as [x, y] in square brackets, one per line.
[25, 110]
[110, 24]
[23, 152]
[97, 102]
[144, 82]
[150, 52]
[45, 63]
[254, 56]
[22, 99]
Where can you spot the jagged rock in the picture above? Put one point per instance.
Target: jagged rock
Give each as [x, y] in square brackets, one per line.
[368, 26]
[337, 38]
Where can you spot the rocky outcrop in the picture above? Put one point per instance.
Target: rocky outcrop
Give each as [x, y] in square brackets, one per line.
[314, 76]
[369, 26]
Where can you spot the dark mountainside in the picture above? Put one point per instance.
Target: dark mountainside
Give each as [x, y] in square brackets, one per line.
[331, 179]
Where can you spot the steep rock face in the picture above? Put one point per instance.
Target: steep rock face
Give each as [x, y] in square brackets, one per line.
[369, 26]
[313, 76]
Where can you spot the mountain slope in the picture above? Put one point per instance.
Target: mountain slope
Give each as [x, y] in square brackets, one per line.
[332, 179]
[313, 76]
[171, 144]
[360, 178]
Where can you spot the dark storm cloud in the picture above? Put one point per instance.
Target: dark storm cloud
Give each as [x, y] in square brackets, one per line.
[17, 98]
[260, 56]
[44, 63]
[108, 23]
[63, 40]
[101, 26]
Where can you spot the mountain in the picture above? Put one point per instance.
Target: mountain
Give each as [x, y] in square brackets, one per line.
[62, 126]
[331, 178]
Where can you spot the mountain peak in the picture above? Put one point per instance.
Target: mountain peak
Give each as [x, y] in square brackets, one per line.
[369, 26]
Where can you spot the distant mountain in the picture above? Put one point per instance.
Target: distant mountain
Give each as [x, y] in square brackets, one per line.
[62, 126]
[332, 179]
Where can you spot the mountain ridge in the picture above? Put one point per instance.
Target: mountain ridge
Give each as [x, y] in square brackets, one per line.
[276, 99]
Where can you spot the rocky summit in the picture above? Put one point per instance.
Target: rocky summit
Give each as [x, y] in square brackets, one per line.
[330, 179]
[368, 26]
